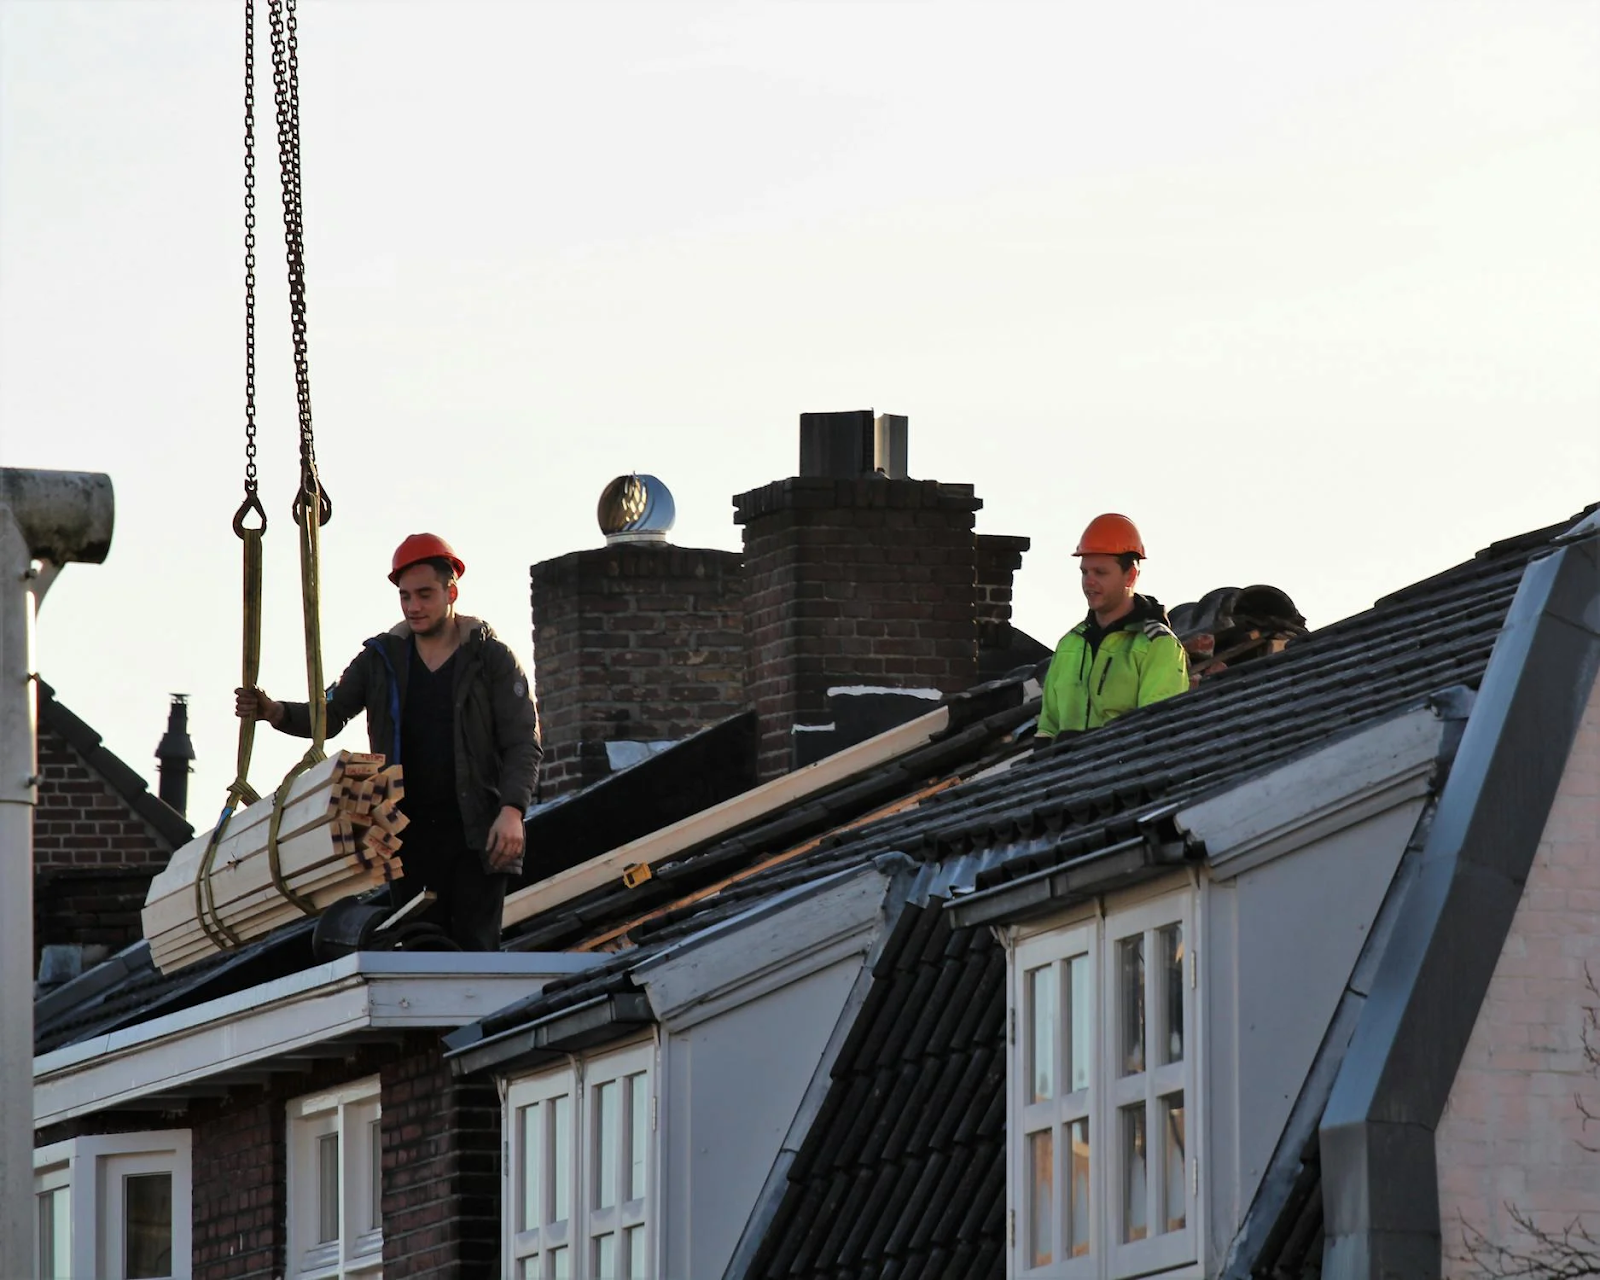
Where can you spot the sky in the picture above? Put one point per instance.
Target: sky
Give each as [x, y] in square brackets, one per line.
[1311, 291]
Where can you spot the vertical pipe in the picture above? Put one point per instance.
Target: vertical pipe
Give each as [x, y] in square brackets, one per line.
[18, 767]
[56, 517]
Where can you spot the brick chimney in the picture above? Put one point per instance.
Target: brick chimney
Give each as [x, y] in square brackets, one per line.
[856, 577]
[636, 643]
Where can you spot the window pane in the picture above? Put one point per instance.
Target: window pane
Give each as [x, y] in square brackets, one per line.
[1172, 957]
[635, 1248]
[1172, 1127]
[375, 1209]
[1042, 1033]
[1135, 1222]
[561, 1150]
[147, 1225]
[560, 1264]
[327, 1188]
[605, 1257]
[1078, 1182]
[1082, 1021]
[1041, 1196]
[532, 1166]
[530, 1269]
[1130, 1002]
[55, 1235]
[607, 1140]
[639, 1138]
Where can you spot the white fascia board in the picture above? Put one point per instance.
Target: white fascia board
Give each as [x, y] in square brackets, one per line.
[778, 942]
[366, 991]
[1317, 795]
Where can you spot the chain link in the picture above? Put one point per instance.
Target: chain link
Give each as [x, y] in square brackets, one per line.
[286, 97]
[252, 500]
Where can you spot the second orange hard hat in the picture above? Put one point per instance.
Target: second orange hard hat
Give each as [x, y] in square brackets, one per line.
[423, 546]
[1111, 535]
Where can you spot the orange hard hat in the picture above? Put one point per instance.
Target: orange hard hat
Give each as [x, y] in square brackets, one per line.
[1111, 535]
[423, 546]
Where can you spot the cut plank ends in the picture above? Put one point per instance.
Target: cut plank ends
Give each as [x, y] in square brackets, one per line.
[339, 835]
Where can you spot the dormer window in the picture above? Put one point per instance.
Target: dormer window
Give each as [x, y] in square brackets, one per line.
[1104, 1181]
[581, 1159]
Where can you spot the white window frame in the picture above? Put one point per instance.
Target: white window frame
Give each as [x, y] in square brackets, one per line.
[1097, 937]
[90, 1170]
[351, 1112]
[529, 1249]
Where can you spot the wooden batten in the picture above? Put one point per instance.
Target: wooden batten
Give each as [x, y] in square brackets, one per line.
[339, 835]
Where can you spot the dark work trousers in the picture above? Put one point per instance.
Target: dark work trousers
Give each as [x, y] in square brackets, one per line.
[470, 899]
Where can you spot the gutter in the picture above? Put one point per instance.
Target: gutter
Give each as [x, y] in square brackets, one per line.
[602, 1020]
[1072, 882]
[1380, 1183]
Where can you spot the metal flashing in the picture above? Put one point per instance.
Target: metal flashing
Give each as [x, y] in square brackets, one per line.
[596, 1022]
[1063, 886]
[1379, 1180]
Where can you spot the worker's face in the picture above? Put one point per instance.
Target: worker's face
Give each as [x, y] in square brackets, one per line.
[425, 600]
[1106, 584]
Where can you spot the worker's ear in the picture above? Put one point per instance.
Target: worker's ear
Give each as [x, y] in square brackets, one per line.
[452, 593]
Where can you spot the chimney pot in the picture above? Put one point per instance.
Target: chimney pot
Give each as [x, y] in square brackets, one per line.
[173, 754]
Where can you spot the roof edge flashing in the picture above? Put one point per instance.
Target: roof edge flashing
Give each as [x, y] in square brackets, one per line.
[600, 1021]
[1401, 1064]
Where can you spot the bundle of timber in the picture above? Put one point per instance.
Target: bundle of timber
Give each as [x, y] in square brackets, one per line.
[339, 835]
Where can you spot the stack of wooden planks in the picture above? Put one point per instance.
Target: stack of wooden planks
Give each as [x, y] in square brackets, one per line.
[339, 835]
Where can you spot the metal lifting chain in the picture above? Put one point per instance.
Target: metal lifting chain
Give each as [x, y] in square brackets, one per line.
[241, 792]
[309, 494]
[286, 97]
[312, 508]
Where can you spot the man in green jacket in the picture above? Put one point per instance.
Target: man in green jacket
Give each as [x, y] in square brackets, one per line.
[1123, 654]
[448, 700]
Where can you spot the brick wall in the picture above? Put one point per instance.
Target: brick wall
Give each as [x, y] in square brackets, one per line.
[441, 1170]
[238, 1225]
[93, 854]
[868, 581]
[636, 642]
[440, 1162]
[997, 559]
[80, 821]
[1512, 1133]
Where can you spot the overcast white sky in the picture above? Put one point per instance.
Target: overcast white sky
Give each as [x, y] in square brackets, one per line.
[1311, 290]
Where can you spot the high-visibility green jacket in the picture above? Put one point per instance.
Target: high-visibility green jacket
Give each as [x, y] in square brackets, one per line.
[1139, 661]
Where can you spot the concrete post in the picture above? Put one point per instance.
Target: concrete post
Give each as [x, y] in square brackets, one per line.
[47, 519]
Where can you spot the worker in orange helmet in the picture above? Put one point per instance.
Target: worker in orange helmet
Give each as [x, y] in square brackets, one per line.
[448, 701]
[1123, 655]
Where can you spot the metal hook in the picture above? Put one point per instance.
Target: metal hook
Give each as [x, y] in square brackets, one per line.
[252, 502]
[325, 503]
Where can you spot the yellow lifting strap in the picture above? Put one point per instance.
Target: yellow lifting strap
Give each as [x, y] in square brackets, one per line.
[240, 791]
[308, 509]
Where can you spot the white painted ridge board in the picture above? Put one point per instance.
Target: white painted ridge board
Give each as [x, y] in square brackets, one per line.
[710, 823]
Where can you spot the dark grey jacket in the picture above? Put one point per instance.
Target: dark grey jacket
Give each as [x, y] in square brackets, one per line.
[496, 726]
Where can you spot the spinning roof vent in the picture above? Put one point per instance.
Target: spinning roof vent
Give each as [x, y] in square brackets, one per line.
[636, 508]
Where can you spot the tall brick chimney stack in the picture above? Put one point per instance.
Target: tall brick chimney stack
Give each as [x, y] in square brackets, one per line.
[636, 643]
[855, 577]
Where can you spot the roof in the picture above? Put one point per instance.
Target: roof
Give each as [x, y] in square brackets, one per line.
[915, 1192]
[902, 1173]
[56, 718]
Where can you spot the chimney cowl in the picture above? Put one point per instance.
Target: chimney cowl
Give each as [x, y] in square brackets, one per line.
[636, 508]
[854, 444]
